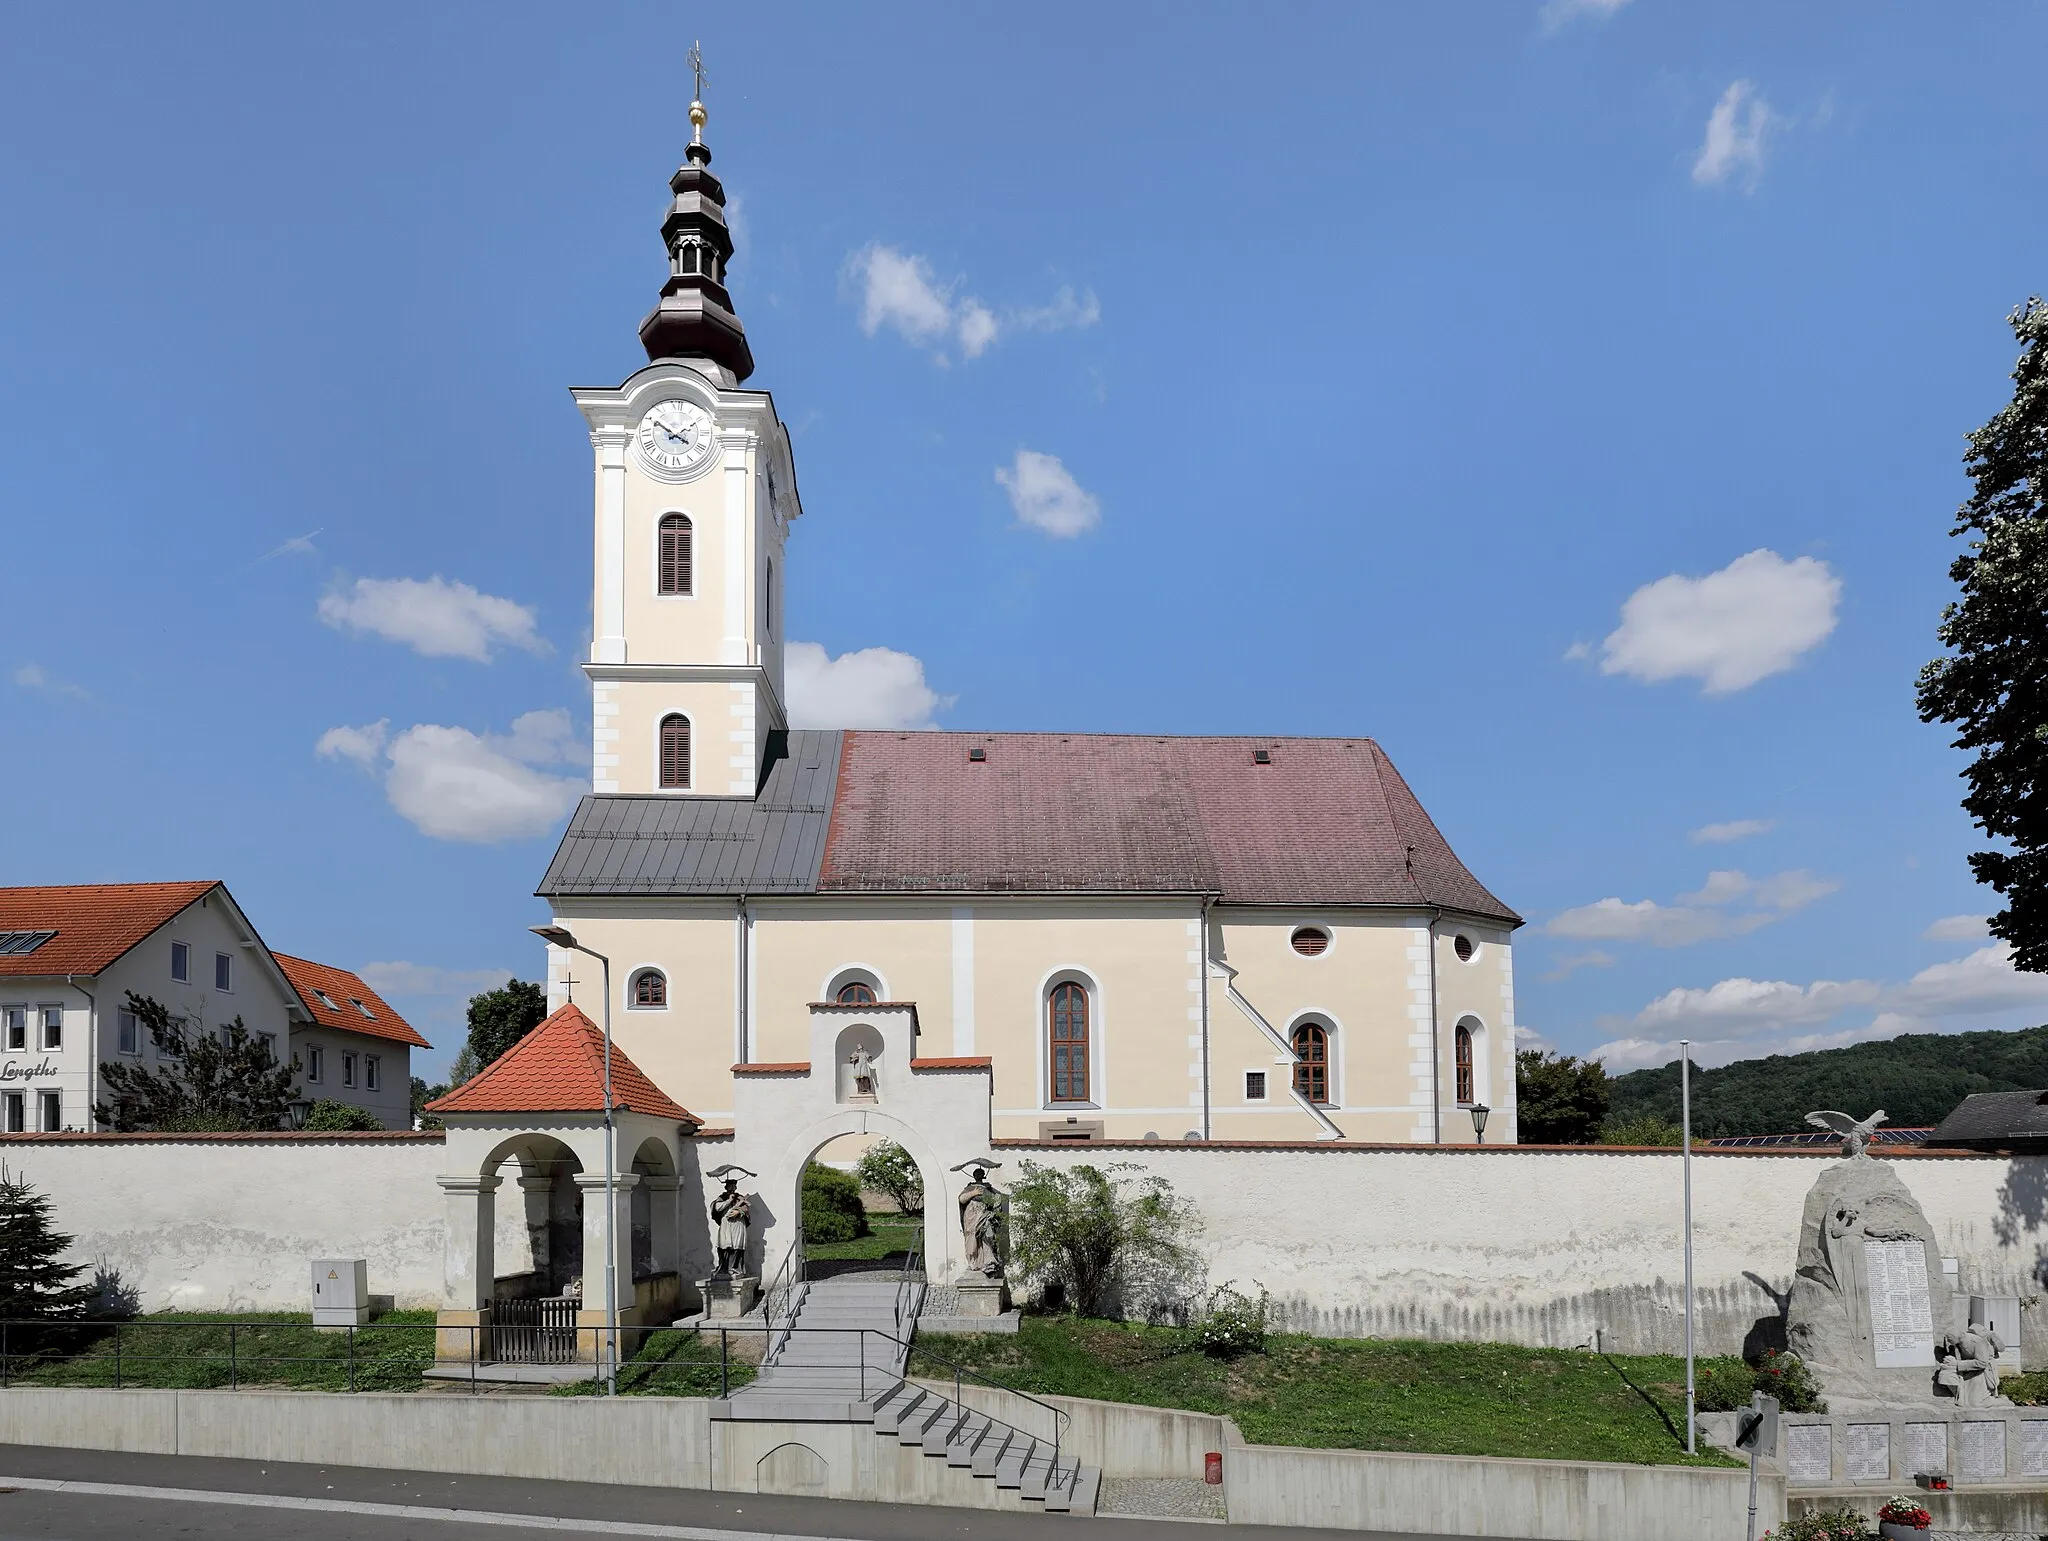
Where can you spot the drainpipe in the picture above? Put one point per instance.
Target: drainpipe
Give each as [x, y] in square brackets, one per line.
[741, 924]
[1207, 1094]
[1436, 1057]
[92, 1044]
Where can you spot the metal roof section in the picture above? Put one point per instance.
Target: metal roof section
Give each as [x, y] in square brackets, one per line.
[1996, 1118]
[772, 843]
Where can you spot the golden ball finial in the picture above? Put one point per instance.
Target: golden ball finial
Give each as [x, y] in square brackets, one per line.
[697, 114]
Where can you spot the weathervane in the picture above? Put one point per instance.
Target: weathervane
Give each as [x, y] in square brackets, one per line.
[697, 99]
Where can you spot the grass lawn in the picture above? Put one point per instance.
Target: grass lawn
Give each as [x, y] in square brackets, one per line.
[676, 1364]
[191, 1352]
[891, 1234]
[1360, 1394]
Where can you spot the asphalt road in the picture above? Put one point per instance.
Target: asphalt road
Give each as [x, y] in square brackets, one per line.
[82, 1495]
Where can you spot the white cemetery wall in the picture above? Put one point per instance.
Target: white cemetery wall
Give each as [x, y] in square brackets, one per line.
[231, 1222]
[1544, 1246]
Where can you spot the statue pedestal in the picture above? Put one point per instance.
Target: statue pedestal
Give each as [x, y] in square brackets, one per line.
[727, 1296]
[982, 1296]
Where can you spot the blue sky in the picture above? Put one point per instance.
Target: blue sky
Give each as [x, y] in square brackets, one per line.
[1570, 396]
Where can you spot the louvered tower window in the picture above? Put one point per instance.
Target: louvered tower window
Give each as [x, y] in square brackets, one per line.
[675, 554]
[675, 752]
[1069, 1011]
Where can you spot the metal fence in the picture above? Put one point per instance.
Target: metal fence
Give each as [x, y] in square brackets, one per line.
[541, 1330]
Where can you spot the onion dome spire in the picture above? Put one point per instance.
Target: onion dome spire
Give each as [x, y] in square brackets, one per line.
[694, 317]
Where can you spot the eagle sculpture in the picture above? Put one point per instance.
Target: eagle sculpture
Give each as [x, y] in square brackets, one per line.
[1855, 1133]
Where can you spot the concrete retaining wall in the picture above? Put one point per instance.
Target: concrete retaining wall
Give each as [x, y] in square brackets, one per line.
[1123, 1440]
[1542, 1247]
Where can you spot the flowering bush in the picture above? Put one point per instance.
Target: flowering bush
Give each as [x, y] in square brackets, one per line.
[1905, 1510]
[1786, 1377]
[1823, 1525]
[1233, 1323]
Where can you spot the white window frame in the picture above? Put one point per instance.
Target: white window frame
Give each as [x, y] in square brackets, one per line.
[269, 1041]
[316, 1063]
[633, 978]
[660, 717]
[15, 1021]
[127, 1032]
[373, 1078]
[181, 962]
[17, 1112]
[46, 1039]
[1265, 1081]
[224, 972]
[49, 1112]
[348, 1069]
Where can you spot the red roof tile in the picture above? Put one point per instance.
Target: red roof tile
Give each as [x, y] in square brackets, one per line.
[559, 1068]
[1326, 821]
[331, 995]
[96, 923]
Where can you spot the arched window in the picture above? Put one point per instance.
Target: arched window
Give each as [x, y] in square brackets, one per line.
[1068, 1010]
[674, 560]
[1462, 1041]
[856, 994]
[650, 988]
[675, 752]
[1312, 1061]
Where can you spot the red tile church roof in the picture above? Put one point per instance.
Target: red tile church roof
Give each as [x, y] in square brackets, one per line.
[559, 1068]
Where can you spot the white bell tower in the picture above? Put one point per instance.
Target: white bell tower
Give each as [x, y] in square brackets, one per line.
[695, 492]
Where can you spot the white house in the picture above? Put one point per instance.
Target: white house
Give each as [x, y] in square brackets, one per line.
[69, 956]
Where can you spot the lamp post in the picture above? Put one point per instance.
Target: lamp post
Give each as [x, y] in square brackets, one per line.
[298, 1111]
[561, 936]
[1479, 1112]
[1685, 1162]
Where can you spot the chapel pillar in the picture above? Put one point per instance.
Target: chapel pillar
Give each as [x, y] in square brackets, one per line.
[592, 1316]
[665, 1252]
[468, 1269]
[537, 1196]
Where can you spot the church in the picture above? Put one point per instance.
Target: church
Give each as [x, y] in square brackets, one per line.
[1140, 937]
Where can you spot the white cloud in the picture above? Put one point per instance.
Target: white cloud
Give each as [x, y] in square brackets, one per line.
[1732, 831]
[33, 676]
[400, 978]
[435, 618]
[899, 291]
[1568, 966]
[1045, 495]
[1734, 146]
[1958, 928]
[1559, 13]
[453, 784]
[876, 687]
[1742, 1018]
[1752, 619]
[1702, 916]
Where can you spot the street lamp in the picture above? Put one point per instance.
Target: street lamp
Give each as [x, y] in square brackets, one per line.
[1479, 1112]
[298, 1111]
[561, 936]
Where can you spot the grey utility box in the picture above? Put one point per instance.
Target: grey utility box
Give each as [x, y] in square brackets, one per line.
[341, 1292]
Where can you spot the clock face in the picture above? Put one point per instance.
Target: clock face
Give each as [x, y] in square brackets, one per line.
[676, 436]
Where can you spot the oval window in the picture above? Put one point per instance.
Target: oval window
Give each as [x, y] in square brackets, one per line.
[1310, 941]
[1464, 947]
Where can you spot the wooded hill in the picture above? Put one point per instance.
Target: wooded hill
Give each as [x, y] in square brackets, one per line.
[1916, 1079]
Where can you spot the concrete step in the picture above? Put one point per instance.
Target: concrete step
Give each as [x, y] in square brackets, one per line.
[940, 1436]
[1037, 1474]
[995, 1444]
[1010, 1469]
[970, 1432]
[891, 1411]
[1087, 1487]
[753, 1405]
[919, 1420]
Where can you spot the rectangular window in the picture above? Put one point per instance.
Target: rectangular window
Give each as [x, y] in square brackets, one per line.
[53, 1026]
[128, 1031]
[348, 1070]
[174, 1041]
[53, 1111]
[372, 1073]
[17, 1112]
[17, 1026]
[181, 963]
[223, 972]
[316, 1064]
[269, 1041]
[1255, 1086]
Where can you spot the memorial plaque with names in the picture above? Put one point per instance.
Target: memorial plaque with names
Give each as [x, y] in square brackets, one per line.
[1981, 1452]
[1870, 1452]
[1926, 1448]
[2034, 1447]
[1901, 1314]
[1810, 1452]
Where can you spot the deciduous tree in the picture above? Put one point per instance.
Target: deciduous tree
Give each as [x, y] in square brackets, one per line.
[1559, 1098]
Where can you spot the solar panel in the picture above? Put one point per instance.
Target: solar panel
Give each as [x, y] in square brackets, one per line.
[14, 943]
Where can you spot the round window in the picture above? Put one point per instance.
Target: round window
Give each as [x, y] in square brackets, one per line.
[1310, 941]
[1464, 947]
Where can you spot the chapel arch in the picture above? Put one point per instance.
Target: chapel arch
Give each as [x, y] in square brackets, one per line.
[538, 1220]
[782, 1184]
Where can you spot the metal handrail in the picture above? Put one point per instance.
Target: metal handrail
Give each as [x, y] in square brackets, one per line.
[787, 1288]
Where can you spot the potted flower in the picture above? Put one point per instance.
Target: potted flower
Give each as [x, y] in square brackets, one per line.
[1903, 1519]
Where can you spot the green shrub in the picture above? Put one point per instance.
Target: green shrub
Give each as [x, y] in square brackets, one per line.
[1233, 1324]
[889, 1168]
[1642, 1129]
[832, 1207]
[1722, 1385]
[1843, 1524]
[2028, 1390]
[330, 1117]
[1786, 1377]
[1103, 1238]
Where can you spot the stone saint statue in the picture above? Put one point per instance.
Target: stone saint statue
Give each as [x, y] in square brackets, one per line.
[730, 1212]
[863, 1066]
[981, 1225]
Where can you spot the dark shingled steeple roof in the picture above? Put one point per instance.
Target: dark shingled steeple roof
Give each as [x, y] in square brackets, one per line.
[1253, 821]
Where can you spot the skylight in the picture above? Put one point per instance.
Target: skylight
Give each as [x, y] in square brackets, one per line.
[362, 1008]
[14, 943]
[325, 999]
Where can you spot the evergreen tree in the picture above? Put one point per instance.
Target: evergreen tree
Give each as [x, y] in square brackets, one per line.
[497, 1020]
[230, 1082]
[33, 1280]
[1993, 685]
[1559, 1098]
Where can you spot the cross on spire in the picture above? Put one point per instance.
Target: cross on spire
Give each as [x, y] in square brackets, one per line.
[697, 114]
[569, 983]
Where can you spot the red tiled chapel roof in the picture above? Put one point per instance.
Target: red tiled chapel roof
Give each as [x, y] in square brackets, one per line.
[559, 1068]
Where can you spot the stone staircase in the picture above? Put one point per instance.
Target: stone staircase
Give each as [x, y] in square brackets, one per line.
[827, 1369]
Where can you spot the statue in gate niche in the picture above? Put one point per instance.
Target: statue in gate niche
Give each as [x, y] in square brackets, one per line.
[732, 1216]
[981, 1222]
[861, 1067]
